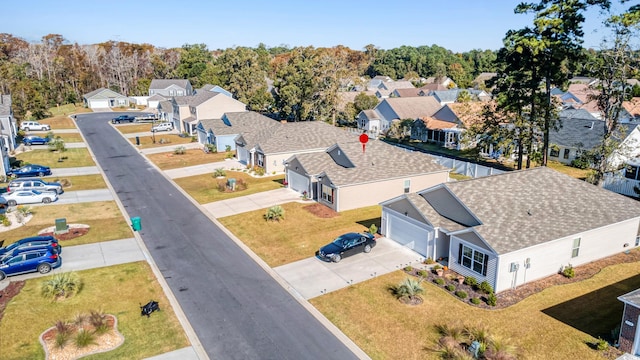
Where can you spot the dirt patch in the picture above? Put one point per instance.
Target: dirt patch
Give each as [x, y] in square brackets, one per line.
[321, 211]
[8, 293]
[71, 234]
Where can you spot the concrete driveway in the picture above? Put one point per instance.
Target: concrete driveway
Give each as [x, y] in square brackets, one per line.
[313, 277]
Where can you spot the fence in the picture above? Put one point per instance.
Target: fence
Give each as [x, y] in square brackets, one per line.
[620, 184]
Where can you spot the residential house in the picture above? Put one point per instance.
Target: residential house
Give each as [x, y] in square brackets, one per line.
[630, 110]
[629, 338]
[441, 80]
[374, 84]
[154, 100]
[8, 132]
[410, 92]
[170, 87]
[578, 97]
[379, 119]
[480, 82]
[188, 110]
[216, 88]
[387, 88]
[347, 176]
[447, 126]
[223, 132]
[513, 228]
[428, 88]
[165, 113]
[104, 98]
[451, 96]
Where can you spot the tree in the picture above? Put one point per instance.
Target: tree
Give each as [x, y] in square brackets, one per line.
[193, 62]
[363, 101]
[242, 73]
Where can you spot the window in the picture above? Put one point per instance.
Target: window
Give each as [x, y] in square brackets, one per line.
[327, 194]
[473, 259]
[407, 186]
[637, 240]
[555, 152]
[576, 248]
[260, 160]
[566, 154]
[180, 93]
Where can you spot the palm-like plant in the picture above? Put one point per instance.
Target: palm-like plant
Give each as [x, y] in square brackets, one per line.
[408, 289]
[274, 213]
[61, 285]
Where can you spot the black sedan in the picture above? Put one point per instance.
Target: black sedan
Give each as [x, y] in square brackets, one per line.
[30, 170]
[347, 245]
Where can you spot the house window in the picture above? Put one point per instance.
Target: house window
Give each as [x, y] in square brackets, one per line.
[260, 160]
[407, 186]
[566, 154]
[327, 194]
[172, 92]
[555, 152]
[631, 172]
[637, 240]
[575, 251]
[473, 259]
[180, 93]
[151, 92]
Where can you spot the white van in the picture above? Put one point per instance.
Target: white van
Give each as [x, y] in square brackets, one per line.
[165, 126]
[34, 125]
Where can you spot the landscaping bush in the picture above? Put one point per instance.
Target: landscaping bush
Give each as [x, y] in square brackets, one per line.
[373, 229]
[180, 150]
[602, 344]
[408, 268]
[84, 338]
[5, 220]
[450, 287]
[471, 281]
[274, 213]
[211, 148]
[486, 287]
[258, 170]
[461, 294]
[568, 271]
[439, 281]
[61, 285]
[429, 261]
[409, 288]
[422, 273]
[219, 172]
[475, 301]
[492, 299]
[98, 320]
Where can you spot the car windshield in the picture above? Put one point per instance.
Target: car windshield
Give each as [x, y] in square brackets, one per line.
[36, 192]
[10, 247]
[342, 240]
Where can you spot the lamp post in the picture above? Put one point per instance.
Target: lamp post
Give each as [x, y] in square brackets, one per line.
[153, 133]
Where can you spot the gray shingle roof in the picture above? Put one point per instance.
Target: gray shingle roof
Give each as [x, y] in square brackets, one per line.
[413, 107]
[195, 100]
[5, 105]
[295, 137]
[239, 123]
[583, 133]
[525, 208]
[379, 161]
[165, 83]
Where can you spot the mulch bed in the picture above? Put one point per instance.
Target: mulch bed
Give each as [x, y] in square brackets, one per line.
[71, 234]
[321, 211]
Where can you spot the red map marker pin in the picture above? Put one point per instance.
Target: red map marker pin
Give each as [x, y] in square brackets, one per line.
[363, 139]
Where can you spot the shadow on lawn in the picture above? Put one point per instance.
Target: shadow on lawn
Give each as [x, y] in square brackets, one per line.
[598, 312]
[367, 223]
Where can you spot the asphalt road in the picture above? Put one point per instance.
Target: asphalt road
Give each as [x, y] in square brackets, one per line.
[237, 310]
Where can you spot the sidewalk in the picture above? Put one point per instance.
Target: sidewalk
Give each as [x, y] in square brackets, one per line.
[76, 171]
[203, 169]
[251, 202]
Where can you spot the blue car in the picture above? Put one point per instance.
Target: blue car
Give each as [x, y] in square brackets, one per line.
[30, 170]
[346, 245]
[35, 140]
[40, 260]
[29, 243]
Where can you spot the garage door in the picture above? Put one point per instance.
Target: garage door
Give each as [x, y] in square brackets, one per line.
[297, 182]
[243, 154]
[99, 104]
[408, 234]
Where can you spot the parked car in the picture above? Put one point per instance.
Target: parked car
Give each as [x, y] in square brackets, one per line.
[28, 244]
[40, 260]
[347, 245]
[29, 197]
[123, 118]
[34, 125]
[35, 140]
[165, 126]
[30, 171]
[34, 184]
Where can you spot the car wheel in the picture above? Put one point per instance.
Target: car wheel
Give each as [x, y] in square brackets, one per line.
[28, 143]
[26, 129]
[2, 276]
[336, 258]
[12, 203]
[40, 174]
[367, 248]
[46, 200]
[44, 268]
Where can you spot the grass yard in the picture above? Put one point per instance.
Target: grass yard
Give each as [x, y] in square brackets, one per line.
[569, 170]
[69, 138]
[204, 188]
[77, 157]
[59, 122]
[556, 323]
[116, 290]
[68, 109]
[104, 218]
[169, 160]
[299, 235]
[162, 139]
[131, 128]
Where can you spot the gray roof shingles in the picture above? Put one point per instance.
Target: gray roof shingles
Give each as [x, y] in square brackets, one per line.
[165, 83]
[583, 133]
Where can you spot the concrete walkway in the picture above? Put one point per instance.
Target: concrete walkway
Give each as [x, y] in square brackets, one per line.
[251, 202]
[313, 277]
[169, 148]
[76, 171]
[73, 197]
[203, 169]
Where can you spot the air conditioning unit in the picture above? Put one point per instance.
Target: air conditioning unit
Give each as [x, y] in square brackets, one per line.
[514, 267]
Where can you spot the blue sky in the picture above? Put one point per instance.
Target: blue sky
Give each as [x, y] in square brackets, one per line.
[458, 25]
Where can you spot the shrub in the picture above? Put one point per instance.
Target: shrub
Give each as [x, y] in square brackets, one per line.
[62, 339]
[5, 220]
[439, 281]
[373, 229]
[429, 261]
[211, 148]
[471, 281]
[602, 344]
[61, 285]
[475, 301]
[461, 294]
[450, 287]
[492, 299]
[180, 150]
[422, 273]
[241, 185]
[84, 338]
[23, 210]
[219, 172]
[408, 268]
[194, 139]
[222, 186]
[409, 288]
[98, 320]
[568, 271]
[486, 287]
[258, 170]
[437, 267]
[274, 213]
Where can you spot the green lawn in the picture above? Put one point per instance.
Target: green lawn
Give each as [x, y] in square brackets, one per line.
[169, 160]
[74, 158]
[69, 138]
[283, 242]
[82, 182]
[104, 218]
[116, 290]
[59, 122]
[204, 188]
[133, 128]
[162, 139]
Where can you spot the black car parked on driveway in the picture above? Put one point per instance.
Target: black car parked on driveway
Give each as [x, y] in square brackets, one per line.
[123, 118]
[347, 245]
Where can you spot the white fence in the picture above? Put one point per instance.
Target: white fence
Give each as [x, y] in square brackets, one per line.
[467, 168]
[620, 184]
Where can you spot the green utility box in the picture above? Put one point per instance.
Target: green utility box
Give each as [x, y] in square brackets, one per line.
[61, 226]
[136, 223]
[231, 184]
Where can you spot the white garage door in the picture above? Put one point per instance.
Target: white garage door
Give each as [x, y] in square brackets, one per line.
[99, 104]
[410, 235]
[297, 182]
[243, 154]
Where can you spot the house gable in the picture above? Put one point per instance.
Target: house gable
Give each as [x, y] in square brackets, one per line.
[448, 205]
[339, 157]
